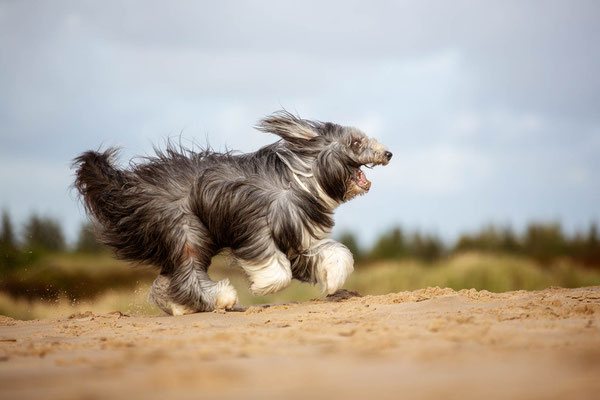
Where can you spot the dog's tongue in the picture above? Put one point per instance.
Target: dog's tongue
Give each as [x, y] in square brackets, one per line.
[362, 180]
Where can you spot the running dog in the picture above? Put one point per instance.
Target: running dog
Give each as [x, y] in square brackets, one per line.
[273, 209]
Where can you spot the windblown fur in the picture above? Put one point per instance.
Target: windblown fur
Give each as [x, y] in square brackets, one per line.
[273, 209]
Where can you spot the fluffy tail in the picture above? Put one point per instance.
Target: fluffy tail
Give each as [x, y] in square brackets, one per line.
[99, 184]
[123, 218]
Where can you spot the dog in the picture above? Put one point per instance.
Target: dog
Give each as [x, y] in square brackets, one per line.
[272, 209]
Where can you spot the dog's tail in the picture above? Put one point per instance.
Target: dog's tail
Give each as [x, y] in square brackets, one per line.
[104, 191]
[100, 184]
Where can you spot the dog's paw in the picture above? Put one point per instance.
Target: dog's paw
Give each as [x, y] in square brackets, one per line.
[226, 295]
[271, 277]
[178, 309]
[270, 281]
[335, 265]
[159, 296]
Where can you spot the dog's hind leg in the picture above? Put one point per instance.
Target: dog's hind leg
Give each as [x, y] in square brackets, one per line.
[191, 287]
[186, 287]
[200, 293]
[159, 295]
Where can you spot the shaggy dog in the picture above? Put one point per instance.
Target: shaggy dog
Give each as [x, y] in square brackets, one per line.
[272, 209]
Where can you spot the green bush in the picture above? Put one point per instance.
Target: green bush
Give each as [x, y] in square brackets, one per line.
[87, 241]
[43, 234]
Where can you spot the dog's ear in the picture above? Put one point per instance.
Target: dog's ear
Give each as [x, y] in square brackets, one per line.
[332, 172]
[288, 126]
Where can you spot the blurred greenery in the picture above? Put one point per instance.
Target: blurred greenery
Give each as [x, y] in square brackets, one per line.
[352, 244]
[75, 276]
[7, 236]
[542, 242]
[41, 277]
[101, 284]
[496, 273]
[10, 256]
[87, 241]
[395, 244]
[43, 234]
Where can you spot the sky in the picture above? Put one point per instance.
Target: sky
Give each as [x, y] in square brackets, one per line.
[492, 109]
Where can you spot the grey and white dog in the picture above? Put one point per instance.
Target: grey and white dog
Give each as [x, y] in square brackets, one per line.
[272, 209]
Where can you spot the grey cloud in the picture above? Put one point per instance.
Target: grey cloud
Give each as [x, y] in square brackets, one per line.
[508, 88]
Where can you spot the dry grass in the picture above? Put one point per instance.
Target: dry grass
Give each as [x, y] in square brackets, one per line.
[496, 273]
[131, 302]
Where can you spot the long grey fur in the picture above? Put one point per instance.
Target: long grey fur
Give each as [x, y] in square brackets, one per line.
[271, 208]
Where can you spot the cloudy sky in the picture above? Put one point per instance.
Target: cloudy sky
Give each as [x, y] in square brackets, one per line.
[492, 109]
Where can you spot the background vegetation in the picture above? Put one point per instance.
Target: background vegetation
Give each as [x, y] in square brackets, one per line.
[41, 276]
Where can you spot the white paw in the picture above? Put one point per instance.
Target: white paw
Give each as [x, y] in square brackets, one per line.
[270, 281]
[159, 296]
[178, 309]
[335, 265]
[226, 295]
[269, 277]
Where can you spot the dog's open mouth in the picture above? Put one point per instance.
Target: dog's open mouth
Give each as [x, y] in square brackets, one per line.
[361, 180]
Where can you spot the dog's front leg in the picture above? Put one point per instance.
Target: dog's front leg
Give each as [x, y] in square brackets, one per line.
[331, 263]
[269, 275]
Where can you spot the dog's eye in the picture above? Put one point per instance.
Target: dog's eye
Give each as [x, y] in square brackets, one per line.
[356, 142]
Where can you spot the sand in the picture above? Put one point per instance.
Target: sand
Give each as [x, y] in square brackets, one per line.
[430, 343]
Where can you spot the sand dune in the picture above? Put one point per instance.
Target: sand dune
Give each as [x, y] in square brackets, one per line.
[430, 343]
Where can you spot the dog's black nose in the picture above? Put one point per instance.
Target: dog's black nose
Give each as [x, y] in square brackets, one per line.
[388, 155]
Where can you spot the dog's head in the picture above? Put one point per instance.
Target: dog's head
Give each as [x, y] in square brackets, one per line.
[333, 153]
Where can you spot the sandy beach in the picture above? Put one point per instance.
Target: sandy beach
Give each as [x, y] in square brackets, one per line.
[430, 343]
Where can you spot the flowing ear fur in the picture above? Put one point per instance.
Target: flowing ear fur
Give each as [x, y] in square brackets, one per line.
[331, 172]
[288, 127]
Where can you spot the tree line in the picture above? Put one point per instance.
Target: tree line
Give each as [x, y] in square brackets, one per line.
[543, 242]
[40, 235]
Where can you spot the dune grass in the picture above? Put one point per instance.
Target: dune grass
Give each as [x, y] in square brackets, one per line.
[75, 276]
[496, 273]
[128, 301]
